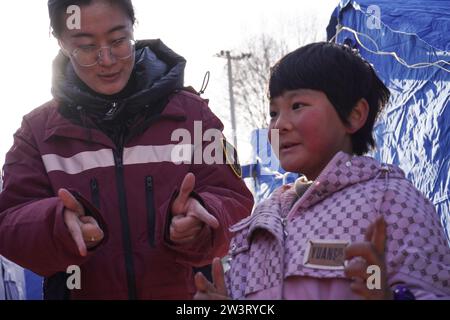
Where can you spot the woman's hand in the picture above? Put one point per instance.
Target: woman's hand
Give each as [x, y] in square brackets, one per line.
[84, 230]
[367, 253]
[189, 217]
[211, 291]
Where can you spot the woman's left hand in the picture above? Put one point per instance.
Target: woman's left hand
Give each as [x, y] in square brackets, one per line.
[189, 217]
[361, 256]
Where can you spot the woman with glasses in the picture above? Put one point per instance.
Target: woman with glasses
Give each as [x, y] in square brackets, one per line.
[103, 193]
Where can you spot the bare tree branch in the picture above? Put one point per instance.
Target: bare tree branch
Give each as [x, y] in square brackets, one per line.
[250, 77]
[251, 74]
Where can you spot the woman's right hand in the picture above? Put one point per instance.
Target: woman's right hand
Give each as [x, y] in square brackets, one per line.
[84, 230]
[211, 291]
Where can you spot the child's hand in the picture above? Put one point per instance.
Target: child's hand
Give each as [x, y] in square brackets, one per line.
[211, 291]
[364, 254]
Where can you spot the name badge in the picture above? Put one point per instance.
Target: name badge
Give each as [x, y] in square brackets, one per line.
[325, 254]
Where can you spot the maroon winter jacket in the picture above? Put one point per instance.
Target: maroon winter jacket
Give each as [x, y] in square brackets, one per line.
[128, 189]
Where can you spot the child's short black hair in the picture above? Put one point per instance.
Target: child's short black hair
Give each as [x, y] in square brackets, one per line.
[339, 72]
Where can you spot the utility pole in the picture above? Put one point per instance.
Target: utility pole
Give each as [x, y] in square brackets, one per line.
[230, 89]
[226, 54]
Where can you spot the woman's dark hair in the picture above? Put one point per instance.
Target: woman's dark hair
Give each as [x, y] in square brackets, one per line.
[57, 9]
[342, 74]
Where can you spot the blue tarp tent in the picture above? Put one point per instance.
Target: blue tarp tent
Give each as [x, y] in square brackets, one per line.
[408, 42]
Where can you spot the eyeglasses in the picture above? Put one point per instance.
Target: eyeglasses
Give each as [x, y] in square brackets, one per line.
[90, 55]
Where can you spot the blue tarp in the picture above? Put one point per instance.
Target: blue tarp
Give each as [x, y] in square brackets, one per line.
[414, 130]
[34, 285]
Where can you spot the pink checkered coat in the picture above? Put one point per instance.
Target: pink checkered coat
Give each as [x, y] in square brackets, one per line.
[269, 246]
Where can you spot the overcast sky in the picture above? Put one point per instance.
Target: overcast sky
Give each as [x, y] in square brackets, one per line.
[196, 29]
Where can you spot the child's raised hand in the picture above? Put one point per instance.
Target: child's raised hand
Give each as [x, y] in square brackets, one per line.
[211, 291]
[367, 253]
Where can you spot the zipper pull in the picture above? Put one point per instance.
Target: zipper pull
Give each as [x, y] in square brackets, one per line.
[149, 183]
[110, 114]
[94, 184]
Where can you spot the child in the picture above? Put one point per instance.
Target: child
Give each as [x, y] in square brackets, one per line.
[324, 100]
